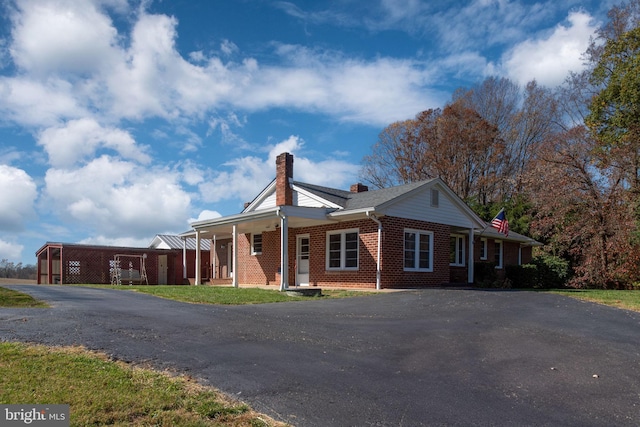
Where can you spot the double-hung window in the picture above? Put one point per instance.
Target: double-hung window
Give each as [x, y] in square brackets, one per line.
[418, 250]
[483, 249]
[498, 253]
[456, 251]
[342, 250]
[256, 244]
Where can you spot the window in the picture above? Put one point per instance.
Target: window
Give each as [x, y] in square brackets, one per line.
[483, 249]
[256, 244]
[456, 251]
[342, 250]
[74, 268]
[418, 250]
[435, 196]
[498, 254]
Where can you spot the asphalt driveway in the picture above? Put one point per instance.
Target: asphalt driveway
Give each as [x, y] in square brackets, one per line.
[429, 357]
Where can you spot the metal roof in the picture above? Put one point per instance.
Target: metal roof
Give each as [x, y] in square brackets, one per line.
[176, 242]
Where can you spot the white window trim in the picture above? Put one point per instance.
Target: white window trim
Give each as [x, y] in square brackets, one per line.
[253, 250]
[459, 241]
[500, 254]
[417, 258]
[483, 245]
[343, 250]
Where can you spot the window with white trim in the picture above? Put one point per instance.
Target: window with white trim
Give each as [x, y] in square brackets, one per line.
[456, 250]
[483, 249]
[498, 253]
[342, 250]
[256, 244]
[418, 250]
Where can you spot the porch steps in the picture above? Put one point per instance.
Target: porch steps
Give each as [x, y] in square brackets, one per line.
[304, 292]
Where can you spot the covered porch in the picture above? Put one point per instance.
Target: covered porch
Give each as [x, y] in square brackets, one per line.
[224, 235]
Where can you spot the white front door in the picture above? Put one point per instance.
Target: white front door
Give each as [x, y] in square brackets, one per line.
[302, 260]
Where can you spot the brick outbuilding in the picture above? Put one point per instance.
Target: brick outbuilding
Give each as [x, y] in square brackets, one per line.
[169, 260]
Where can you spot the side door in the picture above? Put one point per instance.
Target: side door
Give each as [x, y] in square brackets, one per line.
[302, 260]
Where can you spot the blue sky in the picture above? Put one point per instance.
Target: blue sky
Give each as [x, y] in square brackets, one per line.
[123, 119]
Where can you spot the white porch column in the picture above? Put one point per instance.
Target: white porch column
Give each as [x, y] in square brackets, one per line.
[470, 258]
[184, 258]
[234, 256]
[214, 257]
[284, 252]
[198, 259]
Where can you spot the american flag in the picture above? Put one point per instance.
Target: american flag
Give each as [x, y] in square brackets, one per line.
[500, 222]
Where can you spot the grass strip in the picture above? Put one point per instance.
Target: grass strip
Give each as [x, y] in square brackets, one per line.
[228, 295]
[11, 298]
[103, 392]
[629, 300]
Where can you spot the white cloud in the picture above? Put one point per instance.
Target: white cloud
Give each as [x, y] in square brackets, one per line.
[548, 60]
[118, 198]
[205, 214]
[19, 192]
[375, 92]
[90, 70]
[10, 251]
[80, 139]
[250, 175]
[62, 36]
[29, 102]
[228, 47]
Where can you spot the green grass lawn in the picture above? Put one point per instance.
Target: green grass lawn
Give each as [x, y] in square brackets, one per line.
[228, 295]
[103, 392]
[11, 298]
[629, 300]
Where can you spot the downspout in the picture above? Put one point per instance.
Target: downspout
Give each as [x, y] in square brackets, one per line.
[284, 251]
[377, 221]
[471, 257]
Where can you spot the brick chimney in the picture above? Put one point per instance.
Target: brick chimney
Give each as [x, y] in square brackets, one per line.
[358, 188]
[284, 172]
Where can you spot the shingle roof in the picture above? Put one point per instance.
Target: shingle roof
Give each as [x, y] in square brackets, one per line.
[175, 242]
[365, 199]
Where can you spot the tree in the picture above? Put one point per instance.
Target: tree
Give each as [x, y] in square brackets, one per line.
[582, 211]
[454, 144]
[615, 110]
[524, 119]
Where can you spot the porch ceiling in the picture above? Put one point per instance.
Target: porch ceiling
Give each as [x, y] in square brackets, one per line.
[262, 221]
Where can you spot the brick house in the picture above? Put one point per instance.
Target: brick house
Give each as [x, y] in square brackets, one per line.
[414, 235]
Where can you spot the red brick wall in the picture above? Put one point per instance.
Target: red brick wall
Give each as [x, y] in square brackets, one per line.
[259, 269]
[264, 268]
[90, 264]
[393, 275]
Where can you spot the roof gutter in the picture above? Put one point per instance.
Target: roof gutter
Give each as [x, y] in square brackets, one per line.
[375, 219]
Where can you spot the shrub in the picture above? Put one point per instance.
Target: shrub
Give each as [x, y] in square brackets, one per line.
[523, 276]
[553, 271]
[544, 272]
[485, 274]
